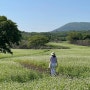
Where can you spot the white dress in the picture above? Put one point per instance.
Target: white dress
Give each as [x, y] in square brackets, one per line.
[53, 64]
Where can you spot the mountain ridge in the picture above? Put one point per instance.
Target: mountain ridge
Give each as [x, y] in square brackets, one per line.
[74, 26]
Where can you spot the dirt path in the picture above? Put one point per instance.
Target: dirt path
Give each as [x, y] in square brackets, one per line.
[36, 68]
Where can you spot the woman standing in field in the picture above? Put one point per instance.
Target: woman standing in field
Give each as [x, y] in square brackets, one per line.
[53, 64]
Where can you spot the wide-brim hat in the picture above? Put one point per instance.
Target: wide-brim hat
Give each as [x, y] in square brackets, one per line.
[53, 53]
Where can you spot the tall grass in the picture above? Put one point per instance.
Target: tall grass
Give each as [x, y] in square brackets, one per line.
[49, 83]
[12, 71]
[73, 69]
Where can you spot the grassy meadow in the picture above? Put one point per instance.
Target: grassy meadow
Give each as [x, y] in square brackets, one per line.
[73, 69]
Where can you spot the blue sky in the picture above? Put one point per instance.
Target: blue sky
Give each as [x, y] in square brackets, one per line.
[45, 15]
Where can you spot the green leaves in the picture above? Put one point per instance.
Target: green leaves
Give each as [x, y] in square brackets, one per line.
[37, 41]
[9, 34]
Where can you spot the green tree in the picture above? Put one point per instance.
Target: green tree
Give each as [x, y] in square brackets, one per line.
[37, 41]
[9, 34]
[86, 36]
[74, 36]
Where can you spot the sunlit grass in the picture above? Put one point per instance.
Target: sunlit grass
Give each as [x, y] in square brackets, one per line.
[49, 83]
[73, 69]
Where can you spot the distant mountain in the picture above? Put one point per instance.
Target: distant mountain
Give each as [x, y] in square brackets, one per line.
[76, 26]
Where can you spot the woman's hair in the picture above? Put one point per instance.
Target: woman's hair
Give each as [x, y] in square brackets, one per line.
[54, 55]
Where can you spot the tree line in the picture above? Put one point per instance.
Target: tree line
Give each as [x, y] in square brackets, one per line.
[80, 38]
[39, 40]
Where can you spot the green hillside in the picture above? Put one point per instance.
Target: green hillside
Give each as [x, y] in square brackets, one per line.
[76, 26]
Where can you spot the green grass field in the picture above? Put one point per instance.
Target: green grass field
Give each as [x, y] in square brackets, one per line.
[73, 69]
